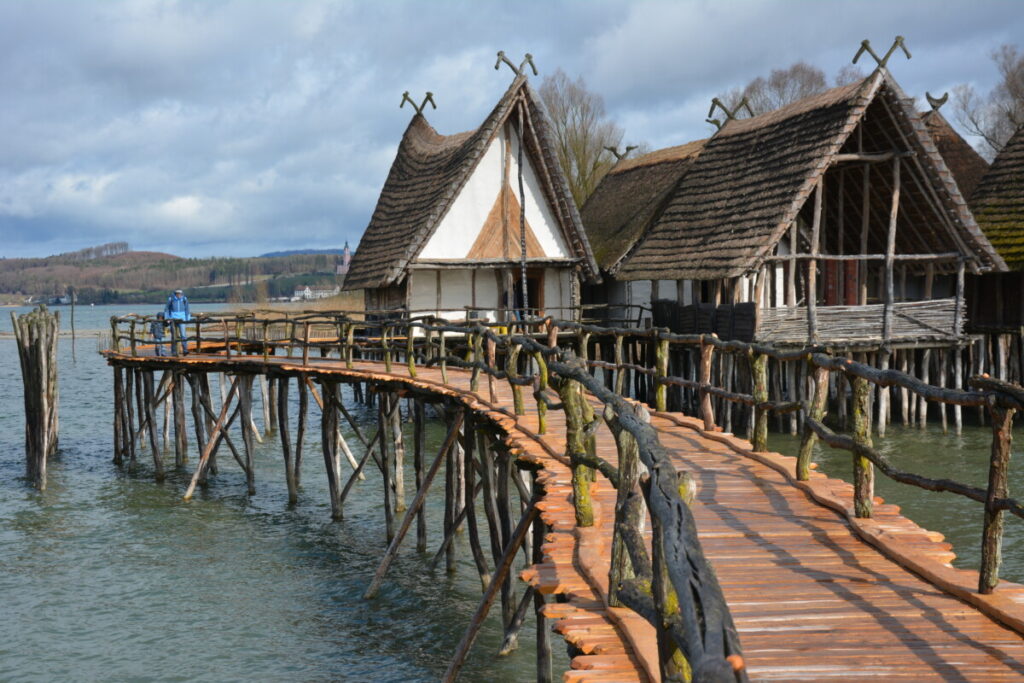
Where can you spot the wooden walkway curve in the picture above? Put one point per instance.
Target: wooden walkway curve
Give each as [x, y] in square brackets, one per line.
[812, 600]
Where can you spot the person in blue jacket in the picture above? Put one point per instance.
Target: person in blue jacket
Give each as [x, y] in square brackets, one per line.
[176, 312]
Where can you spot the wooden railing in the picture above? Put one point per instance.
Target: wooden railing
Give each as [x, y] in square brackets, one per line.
[671, 584]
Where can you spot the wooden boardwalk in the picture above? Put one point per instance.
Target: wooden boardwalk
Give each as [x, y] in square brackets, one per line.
[811, 598]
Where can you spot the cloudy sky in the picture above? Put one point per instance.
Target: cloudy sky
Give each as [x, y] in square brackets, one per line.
[235, 128]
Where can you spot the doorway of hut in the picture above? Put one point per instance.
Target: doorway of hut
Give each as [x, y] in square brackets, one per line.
[534, 303]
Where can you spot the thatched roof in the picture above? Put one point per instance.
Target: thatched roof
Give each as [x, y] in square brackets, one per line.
[621, 207]
[966, 165]
[754, 176]
[427, 175]
[998, 202]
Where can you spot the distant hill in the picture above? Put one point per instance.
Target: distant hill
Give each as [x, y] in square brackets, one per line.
[113, 273]
[300, 252]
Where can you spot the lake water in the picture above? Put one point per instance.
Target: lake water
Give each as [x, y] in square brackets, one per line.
[108, 575]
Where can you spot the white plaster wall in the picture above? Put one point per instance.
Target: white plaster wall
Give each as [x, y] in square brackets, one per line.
[456, 290]
[423, 290]
[460, 227]
[538, 213]
[466, 215]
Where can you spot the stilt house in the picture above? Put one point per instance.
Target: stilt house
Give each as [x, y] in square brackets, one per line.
[446, 237]
[996, 301]
[832, 220]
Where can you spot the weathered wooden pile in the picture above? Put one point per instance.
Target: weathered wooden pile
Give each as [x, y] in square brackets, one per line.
[36, 335]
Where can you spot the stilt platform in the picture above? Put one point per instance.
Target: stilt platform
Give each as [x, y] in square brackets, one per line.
[815, 594]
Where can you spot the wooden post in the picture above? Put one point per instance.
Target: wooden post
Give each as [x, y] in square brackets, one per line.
[998, 488]
[118, 423]
[865, 220]
[812, 266]
[627, 513]
[328, 432]
[150, 408]
[542, 384]
[469, 492]
[819, 406]
[419, 439]
[286, 447]
[660, 373]
[620, 372]
[398, 440]
[863, 471]
[572, 400]
[883, 394]
[36, 335]
[922, 402]
[890, 250]
[383, 408]
[759, 377]
[245, 405]
[706, 411]
[958, 383]
[791, 268]
[512, 370]
[180, 426]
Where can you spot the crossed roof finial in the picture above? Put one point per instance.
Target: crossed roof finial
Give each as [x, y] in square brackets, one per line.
[729, 114]
[429, 97]
[936, 102]
[518, 70]
[619, 156]
[865, 46]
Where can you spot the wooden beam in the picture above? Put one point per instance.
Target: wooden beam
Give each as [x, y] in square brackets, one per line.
[812, 266]
[890, 248]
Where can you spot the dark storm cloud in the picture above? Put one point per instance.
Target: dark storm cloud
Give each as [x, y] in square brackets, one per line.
[240, 127]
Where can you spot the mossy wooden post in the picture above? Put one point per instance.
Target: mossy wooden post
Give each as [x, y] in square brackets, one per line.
[628, 511]
[620, 372]
[131, 336]
[492, 363]
[512, 370]
[660, 373]
[707, 351]
[819, 406]
[443, 352]
[863, 471]
[474, 352]
[385, 340]
[998, 488]
[575, 449]
[759, 377]
[542, 384]
[227, 342]
[199, 336]
[180, 426]
[350, 343]
[410, 350]
[583, 354]
[115, 340]
[36, 334]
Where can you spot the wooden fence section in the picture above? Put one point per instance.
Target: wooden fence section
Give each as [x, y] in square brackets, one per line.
[661, 573]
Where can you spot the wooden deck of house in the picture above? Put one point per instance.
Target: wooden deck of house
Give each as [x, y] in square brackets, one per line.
[815, 595]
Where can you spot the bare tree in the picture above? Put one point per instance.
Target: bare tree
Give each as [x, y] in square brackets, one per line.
[785, 86]
[582, 132]
[996, 116]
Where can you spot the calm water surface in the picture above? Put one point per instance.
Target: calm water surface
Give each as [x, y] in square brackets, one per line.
[109, 576]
